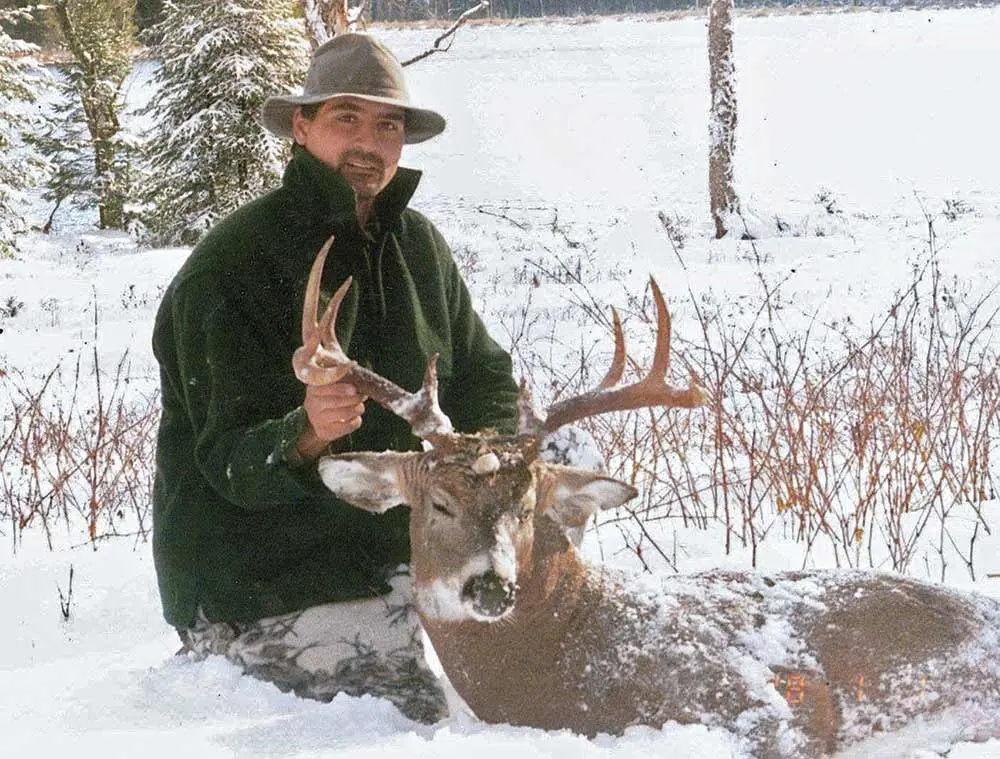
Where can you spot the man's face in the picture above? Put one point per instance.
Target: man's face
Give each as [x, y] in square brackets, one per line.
[359, 139]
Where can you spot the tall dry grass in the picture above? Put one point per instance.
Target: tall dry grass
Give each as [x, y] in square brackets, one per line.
[860, 440]
[77, 454]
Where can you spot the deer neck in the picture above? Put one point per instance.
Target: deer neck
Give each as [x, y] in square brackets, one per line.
[555, 579]
[550, 590]
[494, 666]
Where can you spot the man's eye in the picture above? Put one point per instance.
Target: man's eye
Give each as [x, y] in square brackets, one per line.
[442, 510]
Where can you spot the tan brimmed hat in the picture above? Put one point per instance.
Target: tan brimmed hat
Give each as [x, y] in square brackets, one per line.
[360, 66]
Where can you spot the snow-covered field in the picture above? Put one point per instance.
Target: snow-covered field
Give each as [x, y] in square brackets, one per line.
[565, 142]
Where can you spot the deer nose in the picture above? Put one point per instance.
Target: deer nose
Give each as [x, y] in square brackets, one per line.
[489, 594]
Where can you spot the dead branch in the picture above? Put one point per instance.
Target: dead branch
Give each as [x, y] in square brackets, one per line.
[448, 34]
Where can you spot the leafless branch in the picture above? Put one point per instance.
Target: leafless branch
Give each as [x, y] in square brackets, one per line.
[448, 36]
[66, 601]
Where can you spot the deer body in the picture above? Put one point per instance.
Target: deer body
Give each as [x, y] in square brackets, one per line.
[579, 651]
[797, 664]
[794, 664]
[621, 661]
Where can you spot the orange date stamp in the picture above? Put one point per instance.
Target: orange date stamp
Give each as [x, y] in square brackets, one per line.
[793, 687]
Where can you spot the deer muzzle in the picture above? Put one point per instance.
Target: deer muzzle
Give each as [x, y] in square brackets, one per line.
[490, 595]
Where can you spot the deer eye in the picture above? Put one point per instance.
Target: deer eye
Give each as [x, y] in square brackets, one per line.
[526, 516]
[442, 510]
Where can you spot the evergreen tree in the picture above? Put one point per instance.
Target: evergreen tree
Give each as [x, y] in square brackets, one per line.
[208, 150]
[17, 93]
[148, 12]
[23, 20]
[63, 139]
[84, 138]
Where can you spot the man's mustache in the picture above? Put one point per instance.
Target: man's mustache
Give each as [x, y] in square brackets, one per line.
[360, 156]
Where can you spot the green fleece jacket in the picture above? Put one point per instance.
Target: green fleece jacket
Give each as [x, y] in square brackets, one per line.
[239, 527]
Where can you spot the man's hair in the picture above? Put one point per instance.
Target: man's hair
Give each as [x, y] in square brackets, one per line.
[309, 110]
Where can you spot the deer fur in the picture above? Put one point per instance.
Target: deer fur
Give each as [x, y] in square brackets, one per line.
[794, 664]
[797, 664]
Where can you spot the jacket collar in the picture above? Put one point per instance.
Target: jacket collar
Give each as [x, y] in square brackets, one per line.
[331, 198]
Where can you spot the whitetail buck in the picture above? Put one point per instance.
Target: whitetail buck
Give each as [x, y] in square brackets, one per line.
[795, 664]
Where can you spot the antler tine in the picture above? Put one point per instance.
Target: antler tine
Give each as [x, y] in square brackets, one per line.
[614, 375]
[311, 305]
[530, 423]
[651, 391]
[661, 354]
[321, 361]
[325, 329]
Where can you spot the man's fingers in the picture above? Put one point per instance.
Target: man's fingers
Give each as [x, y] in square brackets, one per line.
[334, 410]
[335, 390]
[337, 429]
[330, 414]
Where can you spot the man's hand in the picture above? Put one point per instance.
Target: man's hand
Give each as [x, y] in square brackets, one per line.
[334, 411]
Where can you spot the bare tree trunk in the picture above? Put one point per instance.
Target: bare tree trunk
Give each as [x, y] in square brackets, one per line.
[325, 19]
[722, 120]
[315, 20]
[102, 69]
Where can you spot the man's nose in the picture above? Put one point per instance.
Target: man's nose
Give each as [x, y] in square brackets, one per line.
[364, 138]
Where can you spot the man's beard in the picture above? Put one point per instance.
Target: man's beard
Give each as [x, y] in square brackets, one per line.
[367, 182]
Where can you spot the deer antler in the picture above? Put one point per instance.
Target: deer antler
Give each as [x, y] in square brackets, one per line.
[650, 391]
[321, 361]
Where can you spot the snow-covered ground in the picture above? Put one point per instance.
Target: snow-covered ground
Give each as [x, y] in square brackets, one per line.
[565, 142]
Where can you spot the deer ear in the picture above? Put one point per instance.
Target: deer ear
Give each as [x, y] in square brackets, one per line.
[369, 481]
[574, 495]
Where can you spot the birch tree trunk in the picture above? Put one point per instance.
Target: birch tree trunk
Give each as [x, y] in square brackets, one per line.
[100, 34]
[722, 119]
[325, 19]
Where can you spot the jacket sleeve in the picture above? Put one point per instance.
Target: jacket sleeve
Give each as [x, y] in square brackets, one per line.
[242, 401]
[482, 393]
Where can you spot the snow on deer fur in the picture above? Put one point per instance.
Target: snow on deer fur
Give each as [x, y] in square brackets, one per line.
[797, 664]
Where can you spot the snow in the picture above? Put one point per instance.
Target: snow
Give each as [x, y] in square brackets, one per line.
[566, 143]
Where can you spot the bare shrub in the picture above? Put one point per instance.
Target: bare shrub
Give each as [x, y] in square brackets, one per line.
[870, 442]
[84, 467]
[876, 443]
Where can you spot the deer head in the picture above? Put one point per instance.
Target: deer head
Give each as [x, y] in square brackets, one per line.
[476, 500]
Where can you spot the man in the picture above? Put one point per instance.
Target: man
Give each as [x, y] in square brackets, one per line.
[256, 560]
